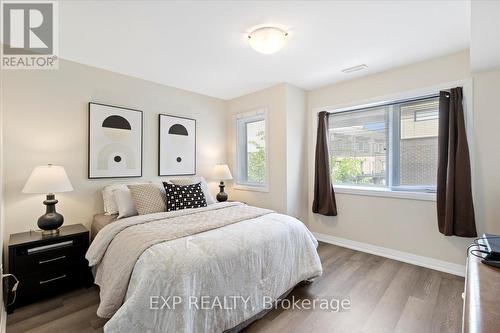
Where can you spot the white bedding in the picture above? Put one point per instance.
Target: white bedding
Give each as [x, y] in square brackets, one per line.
[249, 261]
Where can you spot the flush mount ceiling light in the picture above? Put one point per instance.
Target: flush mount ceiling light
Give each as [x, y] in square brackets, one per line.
[267, 40]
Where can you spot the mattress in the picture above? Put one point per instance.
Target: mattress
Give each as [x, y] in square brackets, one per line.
[99, 222]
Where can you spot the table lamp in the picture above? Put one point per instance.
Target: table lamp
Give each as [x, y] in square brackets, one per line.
[49, 179]
[222, 172]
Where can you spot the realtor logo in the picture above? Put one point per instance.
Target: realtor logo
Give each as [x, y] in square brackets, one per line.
[29, 35]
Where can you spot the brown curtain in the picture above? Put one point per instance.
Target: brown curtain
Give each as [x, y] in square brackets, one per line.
[324, 196]
[454, 195]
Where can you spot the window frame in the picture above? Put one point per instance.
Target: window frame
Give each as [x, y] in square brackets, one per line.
[249, 117]
[393, 122]
[395, 152]
[466, 84]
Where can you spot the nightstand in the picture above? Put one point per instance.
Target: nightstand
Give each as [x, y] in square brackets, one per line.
[46, 265]
[243, 202]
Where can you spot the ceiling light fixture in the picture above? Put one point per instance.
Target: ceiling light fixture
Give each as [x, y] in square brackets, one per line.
[267, 40]
[354, 69]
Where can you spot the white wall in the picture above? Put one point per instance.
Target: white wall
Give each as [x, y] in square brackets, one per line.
[399, 224]
[45, 121]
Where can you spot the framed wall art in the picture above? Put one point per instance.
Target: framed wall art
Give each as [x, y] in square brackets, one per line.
[177, 146]
[115, 142]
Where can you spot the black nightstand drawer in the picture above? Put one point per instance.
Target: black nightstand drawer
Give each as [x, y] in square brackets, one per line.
[47, 265]
[46, 284]
[49, 260]
[50, 244]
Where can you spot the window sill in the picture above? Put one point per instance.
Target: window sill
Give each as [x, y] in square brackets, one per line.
[244, 187]
[382, 192]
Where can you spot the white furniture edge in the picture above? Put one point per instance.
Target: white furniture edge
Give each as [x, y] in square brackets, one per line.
[436, 264]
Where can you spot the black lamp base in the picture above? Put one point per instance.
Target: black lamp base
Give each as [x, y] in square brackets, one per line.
[221, 196]
[51, 220]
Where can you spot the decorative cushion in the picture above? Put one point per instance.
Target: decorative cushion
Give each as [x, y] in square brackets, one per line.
[124, 203]
[148, 198]
[194, 180]
[183, 197]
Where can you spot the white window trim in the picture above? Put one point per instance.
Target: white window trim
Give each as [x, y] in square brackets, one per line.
[384, 192]
[252, 188]
[467, 86]
[241, 186]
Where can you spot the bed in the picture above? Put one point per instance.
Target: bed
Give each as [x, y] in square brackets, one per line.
[210, 269]
[100, 221]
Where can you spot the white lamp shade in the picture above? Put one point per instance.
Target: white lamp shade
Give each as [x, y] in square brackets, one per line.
[222, 172]
[267, 40]
[48, 179]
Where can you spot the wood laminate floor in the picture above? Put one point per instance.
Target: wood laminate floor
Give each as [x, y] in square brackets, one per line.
[385, 295]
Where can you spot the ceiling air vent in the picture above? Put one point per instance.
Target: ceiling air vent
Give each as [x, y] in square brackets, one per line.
[354, 69]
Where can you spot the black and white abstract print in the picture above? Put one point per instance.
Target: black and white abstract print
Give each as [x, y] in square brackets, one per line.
[177, 146]
[115, 141]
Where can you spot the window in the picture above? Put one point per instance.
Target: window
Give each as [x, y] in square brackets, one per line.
[251, 149]
[391, 146]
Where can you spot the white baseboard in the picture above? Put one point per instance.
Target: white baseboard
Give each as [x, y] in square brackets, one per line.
[438, 265]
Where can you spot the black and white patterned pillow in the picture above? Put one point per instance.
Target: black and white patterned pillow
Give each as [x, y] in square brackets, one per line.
[182, 197]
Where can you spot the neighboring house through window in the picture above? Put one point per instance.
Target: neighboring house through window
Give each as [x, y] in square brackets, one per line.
[391, 146]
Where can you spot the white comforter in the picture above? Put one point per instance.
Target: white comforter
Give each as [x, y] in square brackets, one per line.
[180, 285]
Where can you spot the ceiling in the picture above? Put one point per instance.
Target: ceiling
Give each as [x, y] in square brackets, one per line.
[201, 46]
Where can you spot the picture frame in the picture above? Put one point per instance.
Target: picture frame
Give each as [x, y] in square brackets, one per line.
[115, 141]
[176, 146]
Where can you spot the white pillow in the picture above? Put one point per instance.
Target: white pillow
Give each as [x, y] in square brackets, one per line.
[124, 202]
[108, 197]
[194, 180]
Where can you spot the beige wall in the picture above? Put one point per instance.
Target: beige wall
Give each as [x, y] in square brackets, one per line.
[274, 100]
[51, 126]
[487, 150]
[484, 35]
[399, 224]
[296, 152]
[45, 121]
[287, 149]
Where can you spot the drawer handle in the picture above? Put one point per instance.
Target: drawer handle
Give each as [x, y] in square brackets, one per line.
[49, 247]
[50, 260]
[54, 279]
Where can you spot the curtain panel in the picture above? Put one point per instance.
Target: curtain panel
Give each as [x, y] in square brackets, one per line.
[324, 196]
[455, 208]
